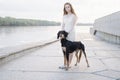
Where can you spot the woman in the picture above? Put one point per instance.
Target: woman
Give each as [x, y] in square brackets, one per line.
[68, 24]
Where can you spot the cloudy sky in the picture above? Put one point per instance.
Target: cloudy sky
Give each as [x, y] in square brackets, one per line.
[86, 10]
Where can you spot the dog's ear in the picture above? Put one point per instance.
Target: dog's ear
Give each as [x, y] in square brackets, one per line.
[66, 33]
[58, 34]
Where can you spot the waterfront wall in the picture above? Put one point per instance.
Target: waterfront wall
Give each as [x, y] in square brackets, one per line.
[107, 28]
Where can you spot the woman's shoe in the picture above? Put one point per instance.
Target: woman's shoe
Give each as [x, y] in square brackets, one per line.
[62, 67]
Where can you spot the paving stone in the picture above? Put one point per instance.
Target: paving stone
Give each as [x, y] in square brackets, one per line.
[110, 73]
[112, 63]
[17, 75]
[43, 63]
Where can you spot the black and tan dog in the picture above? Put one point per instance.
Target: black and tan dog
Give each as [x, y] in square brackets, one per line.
[69, 47]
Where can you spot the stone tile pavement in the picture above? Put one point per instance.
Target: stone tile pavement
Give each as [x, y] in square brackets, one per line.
[43, 63]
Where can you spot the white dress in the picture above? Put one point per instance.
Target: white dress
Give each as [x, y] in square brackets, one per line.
[68, 24]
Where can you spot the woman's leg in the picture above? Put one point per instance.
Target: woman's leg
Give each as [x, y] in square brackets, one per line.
[65, 61]
[70, 58]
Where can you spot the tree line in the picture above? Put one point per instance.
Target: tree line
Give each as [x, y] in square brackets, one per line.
[10, 21]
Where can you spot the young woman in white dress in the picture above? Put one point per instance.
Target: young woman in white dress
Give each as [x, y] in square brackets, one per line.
[68, 23]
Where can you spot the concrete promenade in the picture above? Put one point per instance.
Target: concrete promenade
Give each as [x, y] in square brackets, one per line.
[42, 63]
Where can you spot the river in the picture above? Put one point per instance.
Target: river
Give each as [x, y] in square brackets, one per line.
[18, 35]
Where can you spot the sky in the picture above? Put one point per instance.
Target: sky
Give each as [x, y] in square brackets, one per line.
[52, 10]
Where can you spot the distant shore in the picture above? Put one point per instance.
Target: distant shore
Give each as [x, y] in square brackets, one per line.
[10, 21]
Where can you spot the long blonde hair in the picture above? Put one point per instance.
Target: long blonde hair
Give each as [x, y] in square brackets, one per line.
[72, 10]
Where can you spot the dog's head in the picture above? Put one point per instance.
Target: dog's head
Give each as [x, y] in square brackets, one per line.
[62, 34]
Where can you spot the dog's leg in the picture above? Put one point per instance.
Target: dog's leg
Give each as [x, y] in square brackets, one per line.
[64, 54]
[65, 61]
[77, 58]
[67, 57]
[80, 54]
[86, 58]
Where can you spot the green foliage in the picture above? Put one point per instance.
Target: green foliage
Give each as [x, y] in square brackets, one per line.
[9, 21]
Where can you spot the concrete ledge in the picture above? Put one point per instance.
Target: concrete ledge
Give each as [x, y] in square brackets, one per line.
[108, 28]
[109, 24]
[105, 36]
[9, 53]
